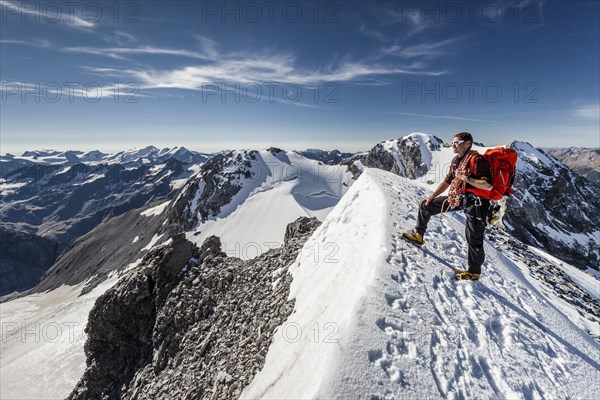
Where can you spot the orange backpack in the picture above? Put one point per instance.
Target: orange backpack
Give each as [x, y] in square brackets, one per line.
[503, 163]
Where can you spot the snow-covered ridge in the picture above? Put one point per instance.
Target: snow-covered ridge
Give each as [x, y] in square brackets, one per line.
[374, 317]
[331, 276]
[247, 198]
[396, 325]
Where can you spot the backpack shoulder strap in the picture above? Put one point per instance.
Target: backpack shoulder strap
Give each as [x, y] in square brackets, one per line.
[472, 159]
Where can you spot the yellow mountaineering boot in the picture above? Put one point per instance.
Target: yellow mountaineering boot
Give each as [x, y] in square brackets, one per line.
[461, 275]
[414, 238]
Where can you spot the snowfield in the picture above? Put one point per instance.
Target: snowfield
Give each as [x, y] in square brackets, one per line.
[42, 342]
[288, 186]
[381, 319]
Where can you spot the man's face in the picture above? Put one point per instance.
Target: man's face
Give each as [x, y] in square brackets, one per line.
[459, 146]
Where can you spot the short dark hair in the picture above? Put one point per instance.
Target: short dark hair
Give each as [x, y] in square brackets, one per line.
[466, 136]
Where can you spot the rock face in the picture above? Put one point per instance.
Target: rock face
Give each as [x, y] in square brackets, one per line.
[204, 195]
[404, 156]
[189, 323]
[554, 209]
[411, 155]
[25, 259]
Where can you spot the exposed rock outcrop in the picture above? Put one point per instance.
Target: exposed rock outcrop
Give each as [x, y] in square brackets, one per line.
[189, 323]
[211, 189]
[402, 156]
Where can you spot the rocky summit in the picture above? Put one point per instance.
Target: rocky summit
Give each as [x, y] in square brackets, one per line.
[189, 322]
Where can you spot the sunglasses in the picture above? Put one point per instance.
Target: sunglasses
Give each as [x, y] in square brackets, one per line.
[457, 142]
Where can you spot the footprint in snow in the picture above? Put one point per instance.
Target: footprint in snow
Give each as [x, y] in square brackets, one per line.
[385, 362]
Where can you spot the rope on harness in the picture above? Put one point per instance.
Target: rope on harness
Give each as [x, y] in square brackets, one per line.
[458, 186]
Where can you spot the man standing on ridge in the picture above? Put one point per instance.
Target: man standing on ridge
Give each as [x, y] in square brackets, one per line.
[468, 171]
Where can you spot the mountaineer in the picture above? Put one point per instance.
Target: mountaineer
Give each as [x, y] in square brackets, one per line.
[470, 176]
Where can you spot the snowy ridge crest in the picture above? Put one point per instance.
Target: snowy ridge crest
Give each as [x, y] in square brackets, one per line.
[397, 325]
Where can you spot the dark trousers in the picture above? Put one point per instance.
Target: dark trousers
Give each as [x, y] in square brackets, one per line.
[476, 216]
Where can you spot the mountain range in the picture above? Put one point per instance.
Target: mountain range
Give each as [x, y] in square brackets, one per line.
[584, 161]
[57, 197]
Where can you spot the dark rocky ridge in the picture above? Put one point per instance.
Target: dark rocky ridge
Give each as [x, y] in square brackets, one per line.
[189, 322]
[219, 187]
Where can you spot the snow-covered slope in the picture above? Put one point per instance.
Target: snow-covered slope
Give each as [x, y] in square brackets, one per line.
[42, 342]
[42, 347]
[247, 198]
[380, 319]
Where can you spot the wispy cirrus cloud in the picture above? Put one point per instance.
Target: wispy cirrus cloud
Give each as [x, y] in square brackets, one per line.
[245, 68]
[206, 49]
[423, 50]
[207, 46]
[33, 42]
[121, 38]
[587, 111]
[72, 21]
[371, 32]
[412, 19]
[123, 52]
[444, 117]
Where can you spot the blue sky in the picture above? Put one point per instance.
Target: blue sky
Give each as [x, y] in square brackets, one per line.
[213, 75]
